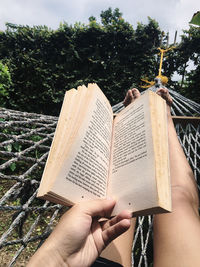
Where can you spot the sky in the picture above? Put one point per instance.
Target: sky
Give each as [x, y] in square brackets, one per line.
[171, 15]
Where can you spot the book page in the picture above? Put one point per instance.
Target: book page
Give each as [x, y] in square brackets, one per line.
[53, 156]
[84, 173]
[72, 105]
[132, 180]
[71, 126]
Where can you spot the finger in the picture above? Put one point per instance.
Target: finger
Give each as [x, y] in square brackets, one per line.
[116, 230]
[99, 207]
[123, 215]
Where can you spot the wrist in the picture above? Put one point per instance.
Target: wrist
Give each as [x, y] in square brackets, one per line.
[47, 257]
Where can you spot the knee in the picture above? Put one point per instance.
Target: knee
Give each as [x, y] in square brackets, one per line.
[181, 196]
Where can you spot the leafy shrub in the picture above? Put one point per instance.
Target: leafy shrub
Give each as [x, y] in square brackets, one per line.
[5, 84]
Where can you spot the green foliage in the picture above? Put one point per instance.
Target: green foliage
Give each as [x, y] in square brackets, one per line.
[5, 84]
[195, 19]
[188, 53]
[111, 17]
[44, 63]
[13, 166]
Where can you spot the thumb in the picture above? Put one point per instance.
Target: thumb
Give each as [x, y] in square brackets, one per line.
[99, 207]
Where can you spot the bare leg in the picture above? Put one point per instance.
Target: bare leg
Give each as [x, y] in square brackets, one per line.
[120, 250]
[177, 235]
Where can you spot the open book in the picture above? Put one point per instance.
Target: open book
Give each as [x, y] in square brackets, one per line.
[95, 154]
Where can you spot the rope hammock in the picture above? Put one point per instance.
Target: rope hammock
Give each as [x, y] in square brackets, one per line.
[26, 221]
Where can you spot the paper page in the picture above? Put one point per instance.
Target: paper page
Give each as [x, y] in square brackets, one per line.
[56, 147]
[84, 174]
[70, 128]
[132, 174]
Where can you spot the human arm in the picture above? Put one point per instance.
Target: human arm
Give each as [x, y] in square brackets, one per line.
[79, 238]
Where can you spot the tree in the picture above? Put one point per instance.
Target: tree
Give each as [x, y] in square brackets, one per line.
[195, 19]
[188, 53]
[44, 63]
[109, 17]
[5, 84]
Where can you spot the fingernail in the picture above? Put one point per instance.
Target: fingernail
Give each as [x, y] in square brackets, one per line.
[109, 198]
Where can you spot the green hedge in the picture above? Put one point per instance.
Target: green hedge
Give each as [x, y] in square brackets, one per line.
[44, 63]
